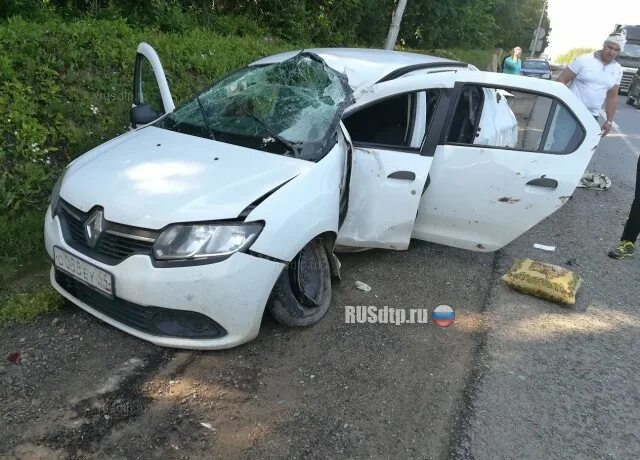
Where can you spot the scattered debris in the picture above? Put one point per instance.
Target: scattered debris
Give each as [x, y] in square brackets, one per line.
[362, 286]
[507, 199]
[571, 262]
[544, 280]
[594, 181]
[544, 247]
[480, 246]
[14, 358]
[55, 321]
[207, 426]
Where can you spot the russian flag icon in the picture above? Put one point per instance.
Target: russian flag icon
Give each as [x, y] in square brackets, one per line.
[443, 316]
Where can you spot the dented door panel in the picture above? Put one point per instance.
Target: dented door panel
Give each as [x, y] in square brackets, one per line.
[384, 194]
[479, 199]
[483, 197]
[385, 184]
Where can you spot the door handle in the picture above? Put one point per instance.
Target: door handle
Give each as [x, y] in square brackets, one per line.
[544, 182]
[403, 175]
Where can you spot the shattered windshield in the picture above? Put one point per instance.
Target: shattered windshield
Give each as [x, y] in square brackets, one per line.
[289, 108]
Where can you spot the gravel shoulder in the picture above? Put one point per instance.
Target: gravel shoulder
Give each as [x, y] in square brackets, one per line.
[336, 389]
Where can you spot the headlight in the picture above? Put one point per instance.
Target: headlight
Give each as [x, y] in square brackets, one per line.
[55, 193]
[202, 241]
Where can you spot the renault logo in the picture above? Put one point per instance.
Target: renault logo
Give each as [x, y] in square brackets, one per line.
[93, 228]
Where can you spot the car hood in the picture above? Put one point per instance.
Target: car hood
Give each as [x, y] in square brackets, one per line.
[154, 177]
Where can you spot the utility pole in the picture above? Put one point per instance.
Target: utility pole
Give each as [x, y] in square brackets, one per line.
[394, 28]
[535, 39]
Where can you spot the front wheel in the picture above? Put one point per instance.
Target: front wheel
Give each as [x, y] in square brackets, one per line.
[302, 293]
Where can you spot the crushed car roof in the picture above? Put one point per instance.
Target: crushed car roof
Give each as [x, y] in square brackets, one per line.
[364, 66]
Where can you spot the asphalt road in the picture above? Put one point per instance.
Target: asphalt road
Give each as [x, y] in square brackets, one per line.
[514, 377]
[564, 383]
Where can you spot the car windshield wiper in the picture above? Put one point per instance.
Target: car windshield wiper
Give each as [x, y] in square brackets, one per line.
[204, 118]
[275, 135]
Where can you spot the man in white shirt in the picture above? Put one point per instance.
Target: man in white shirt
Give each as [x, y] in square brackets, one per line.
[595, 79]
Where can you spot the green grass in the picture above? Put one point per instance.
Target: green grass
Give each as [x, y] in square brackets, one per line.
[478, 57]
[21, 246]
[23, 307]
[22, 235]
[22, 254]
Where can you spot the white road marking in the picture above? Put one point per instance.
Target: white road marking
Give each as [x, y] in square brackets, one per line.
[622, 136]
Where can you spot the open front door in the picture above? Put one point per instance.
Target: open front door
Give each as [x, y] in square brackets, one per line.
[507, 160]
[151, 95]
[390, 162]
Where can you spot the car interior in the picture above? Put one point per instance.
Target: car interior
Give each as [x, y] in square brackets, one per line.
[466, 117]
[390, 121]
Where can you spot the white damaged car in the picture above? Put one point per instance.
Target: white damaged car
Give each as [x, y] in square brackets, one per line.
[185, 229]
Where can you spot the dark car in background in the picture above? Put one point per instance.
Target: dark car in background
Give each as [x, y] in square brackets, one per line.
[633, 96]
[538, 68]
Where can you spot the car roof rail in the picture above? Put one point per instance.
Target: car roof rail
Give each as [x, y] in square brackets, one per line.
[427, 65]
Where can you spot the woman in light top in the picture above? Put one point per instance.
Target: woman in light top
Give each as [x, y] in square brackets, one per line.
[513, 63]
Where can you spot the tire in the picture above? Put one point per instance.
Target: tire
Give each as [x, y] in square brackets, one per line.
[302, 293]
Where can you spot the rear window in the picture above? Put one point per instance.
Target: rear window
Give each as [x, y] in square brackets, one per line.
[541, 65]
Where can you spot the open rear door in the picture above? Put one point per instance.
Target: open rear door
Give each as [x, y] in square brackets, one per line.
[151, 95]
[504, 162]
[390, 166]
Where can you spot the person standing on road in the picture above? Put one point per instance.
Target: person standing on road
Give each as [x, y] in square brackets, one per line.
[495, 59]
[512, 64]
[627, 245]
[595, 79]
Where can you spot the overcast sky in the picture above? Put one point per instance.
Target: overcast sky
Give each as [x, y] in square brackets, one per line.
[586, 23]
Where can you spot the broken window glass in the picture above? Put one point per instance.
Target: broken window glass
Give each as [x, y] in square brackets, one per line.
[291, 108]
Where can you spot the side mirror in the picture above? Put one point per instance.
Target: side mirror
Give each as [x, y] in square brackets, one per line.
[143, 114]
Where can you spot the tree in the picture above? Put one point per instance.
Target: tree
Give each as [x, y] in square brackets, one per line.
[517, 21]
[570, 55]
[394, 28]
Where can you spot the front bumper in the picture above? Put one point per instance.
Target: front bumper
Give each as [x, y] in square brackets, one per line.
[233, 293]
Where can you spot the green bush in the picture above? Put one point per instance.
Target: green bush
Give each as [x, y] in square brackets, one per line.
[65, 87]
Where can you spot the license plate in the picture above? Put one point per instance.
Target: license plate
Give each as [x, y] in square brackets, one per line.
[86, 273]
